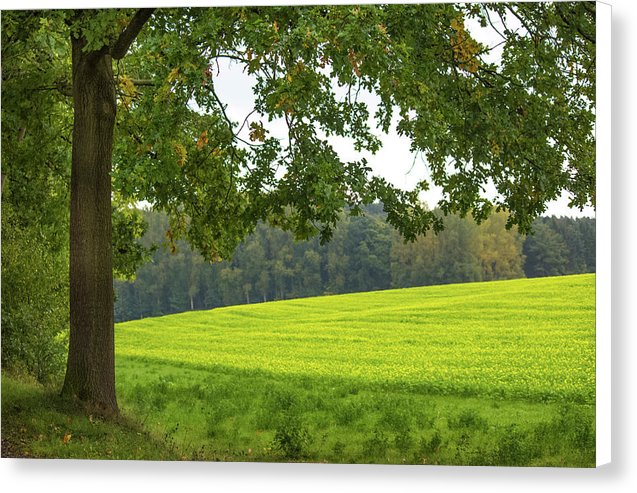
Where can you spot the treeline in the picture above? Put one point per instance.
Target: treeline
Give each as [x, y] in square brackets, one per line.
[365, 254]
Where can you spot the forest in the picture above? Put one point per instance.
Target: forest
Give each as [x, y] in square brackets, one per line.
[365, 254]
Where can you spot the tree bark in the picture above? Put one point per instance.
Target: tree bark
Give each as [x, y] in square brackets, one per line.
[90, 373]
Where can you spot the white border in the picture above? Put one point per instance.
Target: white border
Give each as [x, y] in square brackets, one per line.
[603, 233]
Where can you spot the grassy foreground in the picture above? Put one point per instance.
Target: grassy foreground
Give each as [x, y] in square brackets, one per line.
[498, 373]
[37, 423]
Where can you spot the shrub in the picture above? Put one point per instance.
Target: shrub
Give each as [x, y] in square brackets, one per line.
[35, 288]
[291, 438]
[513, 449]
[377, 445]
[469, 419]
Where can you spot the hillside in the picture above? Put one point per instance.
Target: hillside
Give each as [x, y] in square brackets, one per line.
[529, 338]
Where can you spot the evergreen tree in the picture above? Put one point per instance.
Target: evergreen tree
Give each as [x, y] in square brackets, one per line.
[545, 251]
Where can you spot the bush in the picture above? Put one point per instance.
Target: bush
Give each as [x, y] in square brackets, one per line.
[514, 449]
[291, 437]
[35, 315]
[469, 419]
[376, 447]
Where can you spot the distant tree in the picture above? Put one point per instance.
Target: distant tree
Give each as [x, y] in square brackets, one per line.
[254, 263]
[338, 260]
[457, 252]
[232, 285]
[500, 250]
[363, 255]
[463, 252]
[545, 251]
[368, 244]
[212, 282]
[588, 249]
[579, 236]
[451, 256]
[308, 273]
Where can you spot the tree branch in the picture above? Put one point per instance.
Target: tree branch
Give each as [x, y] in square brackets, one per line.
[141, 82]
[128, 35]
[570, 23]
[61, 85]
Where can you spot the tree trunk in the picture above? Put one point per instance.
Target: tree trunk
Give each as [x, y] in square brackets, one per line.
[90, 372]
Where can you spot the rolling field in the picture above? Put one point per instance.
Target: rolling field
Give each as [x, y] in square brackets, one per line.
[482, 373]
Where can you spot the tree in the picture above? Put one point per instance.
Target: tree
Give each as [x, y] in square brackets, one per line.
[579, 236]
[358, 257]
[559, 246]
[546, 252]
[143, 92]
[34, 299]
[35, 196]
[500, 250]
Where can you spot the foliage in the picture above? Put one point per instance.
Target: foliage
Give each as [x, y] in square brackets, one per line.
[291, 437]
[35, 175]
[128, 252]
[34, 300]
[546, 253]
[475, 119]
[560, 245]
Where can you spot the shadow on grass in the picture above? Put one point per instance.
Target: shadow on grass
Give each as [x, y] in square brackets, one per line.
[38, 423]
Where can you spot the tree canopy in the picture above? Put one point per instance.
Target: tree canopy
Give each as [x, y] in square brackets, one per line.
[523, 122]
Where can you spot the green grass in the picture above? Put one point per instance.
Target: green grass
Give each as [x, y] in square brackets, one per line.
[37, 423]
[521, 338]
[484, 373]
[498, 373]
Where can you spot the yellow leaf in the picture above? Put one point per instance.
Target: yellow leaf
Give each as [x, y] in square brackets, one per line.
[67, 438]
[354, 61]
[173, 75]
[465, 49]
[203, 140]
[257, 132]
[128, 89]
[182, 154]
[495, 148]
